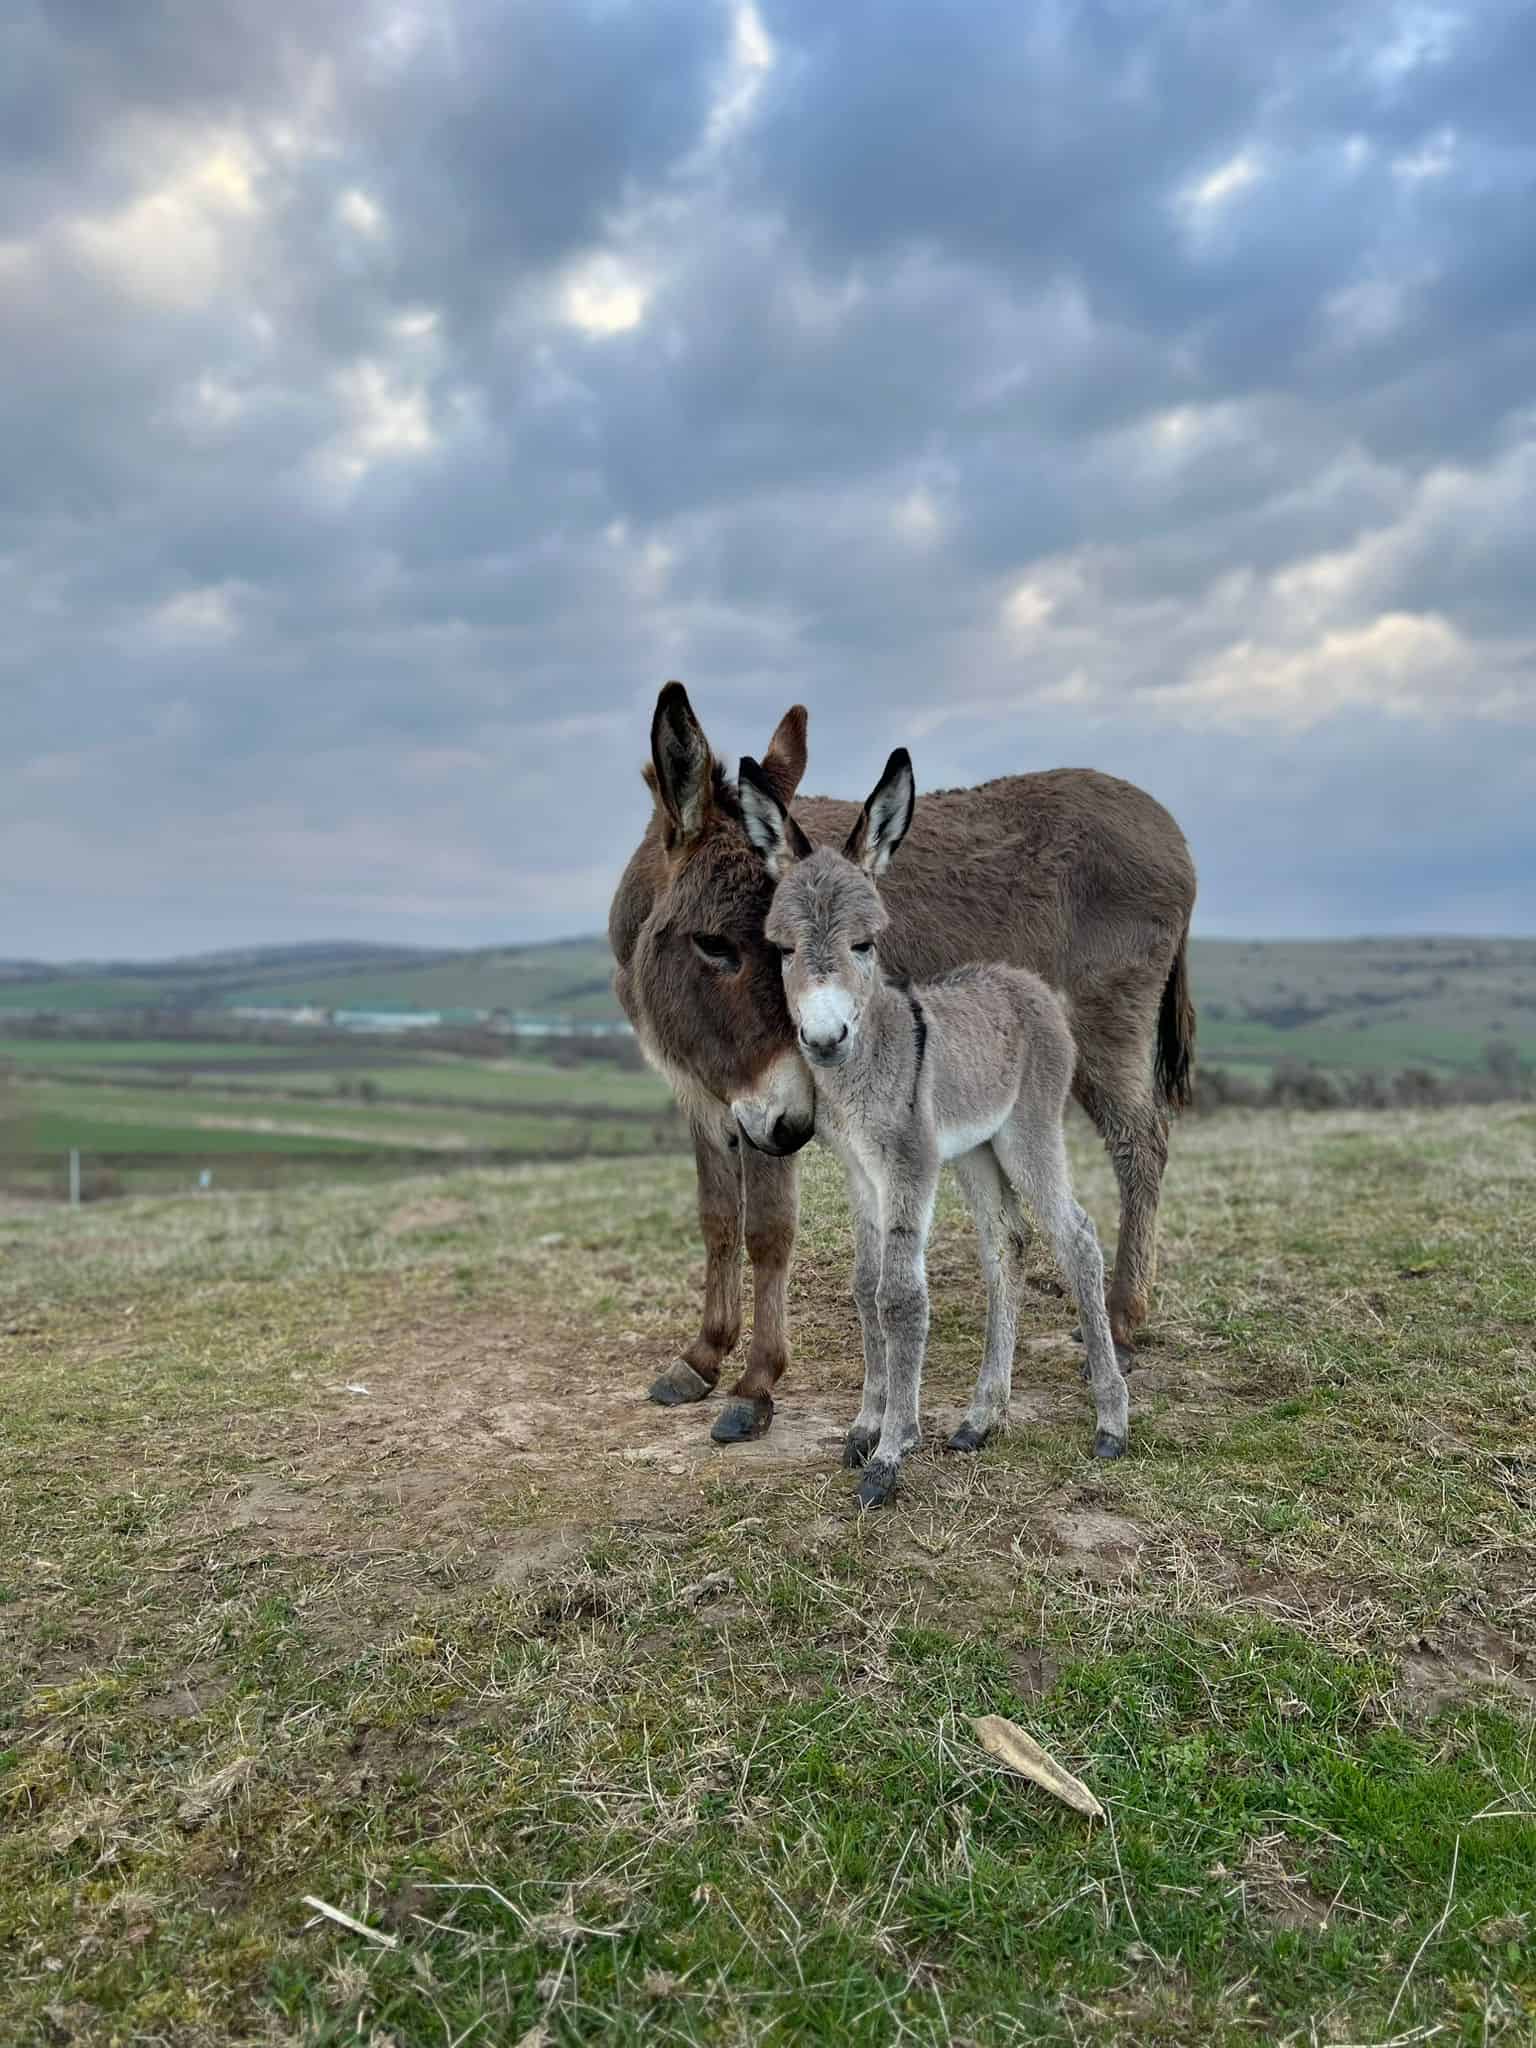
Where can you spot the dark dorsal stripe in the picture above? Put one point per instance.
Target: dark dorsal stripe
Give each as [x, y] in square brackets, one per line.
[920, 1035]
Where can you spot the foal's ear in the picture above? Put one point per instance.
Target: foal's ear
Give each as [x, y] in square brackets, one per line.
[886, 815]
[682, 771]
[784, 762]
[770, 828]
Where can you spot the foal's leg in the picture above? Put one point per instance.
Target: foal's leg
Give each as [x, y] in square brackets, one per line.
[693, 1374]
[906, 1216]
[1000, 1227]
[866, 1298]
[773, 1210]
[1033, 1153]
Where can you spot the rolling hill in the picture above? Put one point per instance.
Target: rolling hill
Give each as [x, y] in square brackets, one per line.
[1345, 1004]
[565, 978]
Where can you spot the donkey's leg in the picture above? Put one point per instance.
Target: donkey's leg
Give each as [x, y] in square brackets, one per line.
[1116, 1032]
[1000, 1226]
[902, 1297]
[773, 1210]
[1033, 1153]
[1134, 1127]
[865, 1431]
[693, 1375]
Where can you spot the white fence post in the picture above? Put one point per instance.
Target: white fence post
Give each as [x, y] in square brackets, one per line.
[74, 1178]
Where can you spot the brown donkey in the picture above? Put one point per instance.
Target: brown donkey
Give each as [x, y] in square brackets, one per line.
[1082, 878]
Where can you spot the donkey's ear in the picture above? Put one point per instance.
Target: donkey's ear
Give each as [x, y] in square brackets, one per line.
[682, 767]
[770, 828]
[886, 815]
[784, 762]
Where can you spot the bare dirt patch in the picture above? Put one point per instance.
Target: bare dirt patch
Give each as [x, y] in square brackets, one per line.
[436, 1426]
[1091, 1532]
[523, 1559]
[1438, 1670]
[1343, 1609]
[522, 1432]
[1033, 1671]
[1276, 1891]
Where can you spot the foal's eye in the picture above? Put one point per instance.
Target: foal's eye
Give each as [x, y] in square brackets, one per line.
[784, 952]
[864, 950]
[718, 952]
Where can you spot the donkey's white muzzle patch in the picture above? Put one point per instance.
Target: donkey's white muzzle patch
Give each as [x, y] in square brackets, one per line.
[826, 1021]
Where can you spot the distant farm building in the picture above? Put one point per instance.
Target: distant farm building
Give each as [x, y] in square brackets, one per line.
[402, 1017]
[285, 1013]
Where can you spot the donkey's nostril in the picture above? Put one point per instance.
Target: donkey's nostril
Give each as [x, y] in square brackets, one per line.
[822, 1042]
[787, 1136]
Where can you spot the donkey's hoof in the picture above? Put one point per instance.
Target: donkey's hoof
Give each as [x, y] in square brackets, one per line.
[968, 1438]
[743, 1420]
[1107, 1445]
[857, 1445]
[678, 1385]
[878, 1485]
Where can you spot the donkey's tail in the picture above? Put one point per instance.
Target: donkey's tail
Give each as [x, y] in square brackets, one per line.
[1176, 1033]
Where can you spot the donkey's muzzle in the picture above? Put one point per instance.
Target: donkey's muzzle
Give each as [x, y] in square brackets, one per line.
[785, 1135]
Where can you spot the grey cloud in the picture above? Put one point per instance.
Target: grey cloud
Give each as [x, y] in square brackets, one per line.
[341, 565]
[517, 128]
[1038, 152]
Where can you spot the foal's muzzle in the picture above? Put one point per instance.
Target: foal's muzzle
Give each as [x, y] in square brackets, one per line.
[826, 1049]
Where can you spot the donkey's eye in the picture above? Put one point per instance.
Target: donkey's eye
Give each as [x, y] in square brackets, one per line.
[718, 952]
[864, 949]
[784, 952]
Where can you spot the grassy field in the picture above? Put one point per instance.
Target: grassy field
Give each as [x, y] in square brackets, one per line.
[71, 992]
[154, 1115]
[1382, 1003]
[211, 1055]
[569, 978]
[408, 1074]
[341, 1559]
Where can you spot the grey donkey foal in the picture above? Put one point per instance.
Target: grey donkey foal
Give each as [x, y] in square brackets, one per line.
[974, 1068]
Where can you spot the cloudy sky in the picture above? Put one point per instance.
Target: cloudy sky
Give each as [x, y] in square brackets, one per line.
[395, 395]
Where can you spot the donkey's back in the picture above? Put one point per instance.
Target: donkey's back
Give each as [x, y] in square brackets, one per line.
[1067, 871]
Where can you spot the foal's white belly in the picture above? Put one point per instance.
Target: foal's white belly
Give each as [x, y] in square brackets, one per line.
[956, 1139]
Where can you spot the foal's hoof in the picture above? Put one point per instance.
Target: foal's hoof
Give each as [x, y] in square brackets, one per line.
[743, 1420]
[878, 1485]
[968, 1438]
[857, 1445]
[1107, 1445]
[678, 1385]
